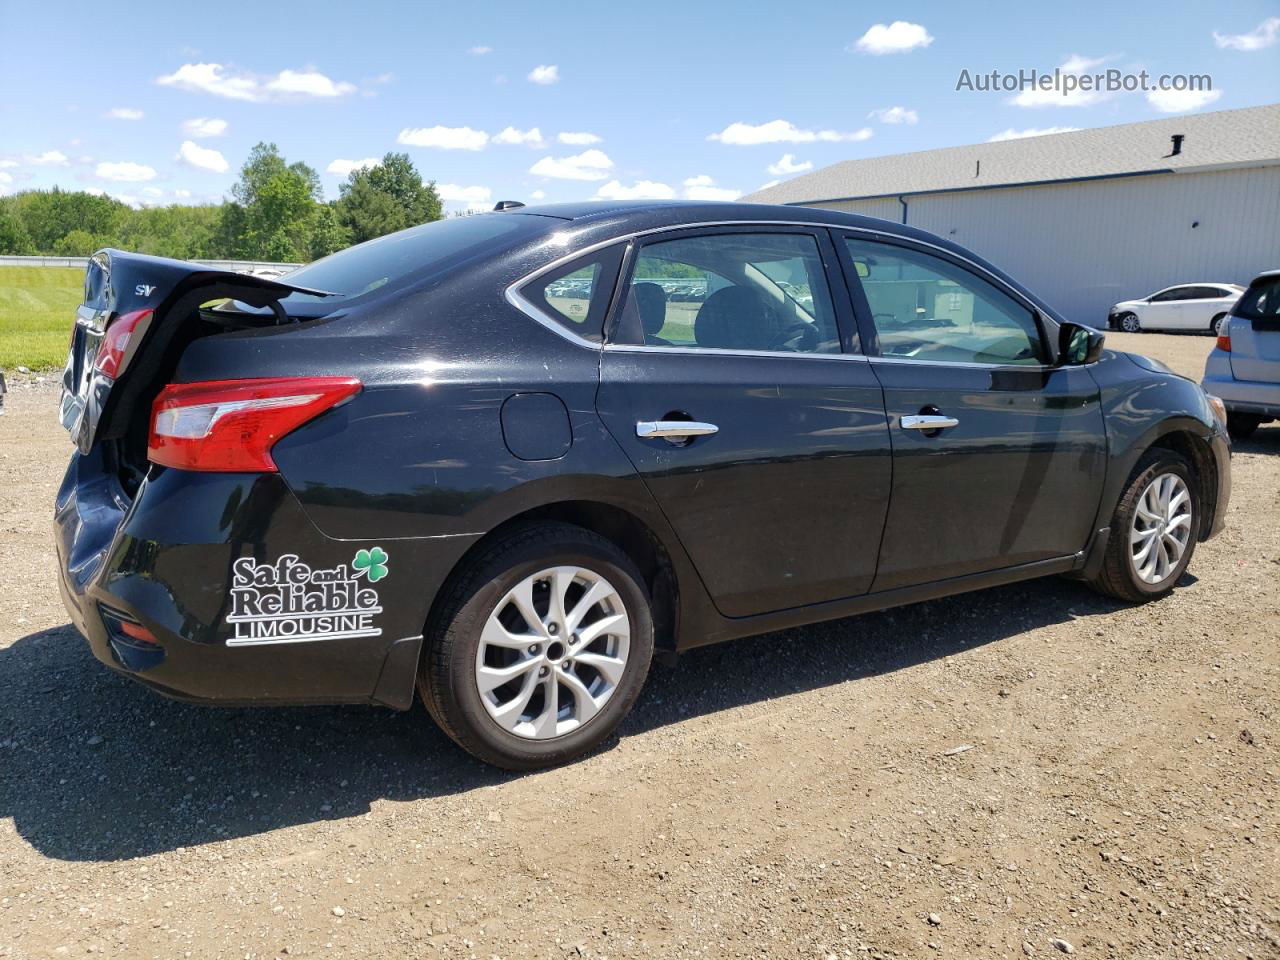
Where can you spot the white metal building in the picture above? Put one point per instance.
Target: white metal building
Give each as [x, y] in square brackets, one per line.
[1088, 218]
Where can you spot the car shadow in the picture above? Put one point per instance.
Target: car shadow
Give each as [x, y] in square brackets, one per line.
[1266, 439]
[94, 767]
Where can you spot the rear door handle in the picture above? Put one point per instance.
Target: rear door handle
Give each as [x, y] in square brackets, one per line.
[675, 430]
[928, 422]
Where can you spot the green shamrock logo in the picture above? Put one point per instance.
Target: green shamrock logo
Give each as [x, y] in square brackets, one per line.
[373, 562]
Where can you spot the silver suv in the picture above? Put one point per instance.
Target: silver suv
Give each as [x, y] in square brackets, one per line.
[1244, 367]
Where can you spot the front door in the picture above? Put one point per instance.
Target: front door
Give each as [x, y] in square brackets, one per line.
[759, 429]
[999, 457]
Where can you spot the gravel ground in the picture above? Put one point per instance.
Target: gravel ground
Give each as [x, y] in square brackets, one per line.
[1019, 772]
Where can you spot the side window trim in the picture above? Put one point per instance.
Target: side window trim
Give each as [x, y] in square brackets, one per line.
[829, 254]
[866, 323]
[610, 256]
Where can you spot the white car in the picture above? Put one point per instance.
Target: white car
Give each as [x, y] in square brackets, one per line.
[1188, 306]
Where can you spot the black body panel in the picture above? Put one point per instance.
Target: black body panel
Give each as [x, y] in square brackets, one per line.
[477, 413]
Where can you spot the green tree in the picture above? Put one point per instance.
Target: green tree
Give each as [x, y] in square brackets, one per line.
[274, 209]
[49, 215]
[81, 243]
[14, 239]
[327, 234]
[386, 197]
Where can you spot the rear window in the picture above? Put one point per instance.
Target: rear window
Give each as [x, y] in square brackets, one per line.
[411, 254]
[1261, 301]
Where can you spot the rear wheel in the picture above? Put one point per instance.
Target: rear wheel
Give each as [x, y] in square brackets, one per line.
[1153, 529]
[1242, 425]
[1129, 323]
[541, 648]
[1215, 325]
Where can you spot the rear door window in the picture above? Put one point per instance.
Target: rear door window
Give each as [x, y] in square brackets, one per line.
[757, 292]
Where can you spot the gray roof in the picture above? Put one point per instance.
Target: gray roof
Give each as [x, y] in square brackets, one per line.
[1246, 137]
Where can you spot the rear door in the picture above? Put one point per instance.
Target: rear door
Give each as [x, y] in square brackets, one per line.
[756, 424]
[1165, 310]
[998, 457]
[1255, 332]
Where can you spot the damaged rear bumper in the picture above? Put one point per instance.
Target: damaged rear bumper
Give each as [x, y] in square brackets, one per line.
[218, 588]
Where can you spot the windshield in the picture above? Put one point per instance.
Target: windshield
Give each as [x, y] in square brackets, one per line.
[411, 254]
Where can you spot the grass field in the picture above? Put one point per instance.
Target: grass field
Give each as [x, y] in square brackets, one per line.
[37, 308]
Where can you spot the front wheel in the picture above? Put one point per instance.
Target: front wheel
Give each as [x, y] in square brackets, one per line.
[1153, 530]
[1129, 323]
[541, 648]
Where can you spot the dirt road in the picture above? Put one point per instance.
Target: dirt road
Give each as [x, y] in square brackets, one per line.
[803, 794]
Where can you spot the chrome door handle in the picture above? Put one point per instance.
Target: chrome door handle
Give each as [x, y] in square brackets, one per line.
[674, 429]
[926, 422]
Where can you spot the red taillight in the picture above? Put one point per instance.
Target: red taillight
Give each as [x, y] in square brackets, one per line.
[230, 426]
[116, 340]
[1224, 343]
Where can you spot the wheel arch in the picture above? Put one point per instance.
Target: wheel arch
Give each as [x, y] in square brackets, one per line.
[631, 534]
[1191, 446]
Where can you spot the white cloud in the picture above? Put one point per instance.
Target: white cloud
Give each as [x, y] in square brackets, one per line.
[766, 186]
[470, 196]
[153, 192]
[1075, 65]
[528, 138]
[702, 187]
[308, 83]
[6, 177]
[1012, 134]
[640, 190]
[204, 127]
[538, 195]
[343, 168]
[202, 158]
[588, 165]
[545, 75]
[480, 51]
[782, 131]
[1261, 37]
[444, 138]
[894, 115]
[897, 37]
[578, 139]
[124, 113]
[215, 79]
[8, 164]
[789, 164]
[50, 158]
[1180, 101]
[125, 172]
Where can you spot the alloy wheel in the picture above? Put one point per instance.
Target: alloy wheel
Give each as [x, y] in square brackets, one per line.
[552, 652]
[1129, 323]
[1161, 528]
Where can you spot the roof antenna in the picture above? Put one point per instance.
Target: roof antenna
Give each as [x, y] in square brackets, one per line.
[508, 205]
[1177, 139]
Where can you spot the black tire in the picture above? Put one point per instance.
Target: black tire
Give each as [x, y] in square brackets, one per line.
[447, 678]
[1242, 425]
[1131, 319]
[1215, 324]
[1118, 578]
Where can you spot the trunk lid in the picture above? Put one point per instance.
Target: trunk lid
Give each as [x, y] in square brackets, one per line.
[166, 296]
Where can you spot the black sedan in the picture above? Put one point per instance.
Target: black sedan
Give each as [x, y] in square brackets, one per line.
[506, 459]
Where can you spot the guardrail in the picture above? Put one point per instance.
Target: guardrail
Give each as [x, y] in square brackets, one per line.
[79, 263]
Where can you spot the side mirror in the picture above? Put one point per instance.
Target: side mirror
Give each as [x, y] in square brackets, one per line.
[1078, 344]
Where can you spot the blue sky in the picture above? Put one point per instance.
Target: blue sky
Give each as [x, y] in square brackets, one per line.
[155, 102]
